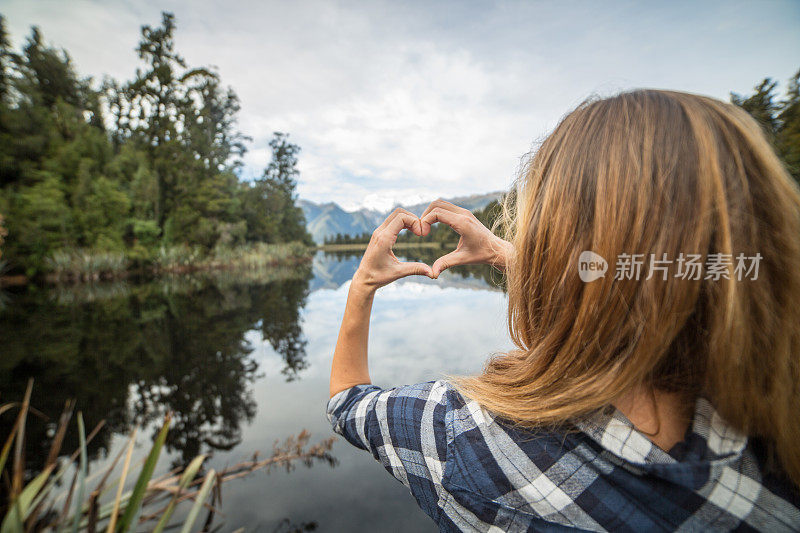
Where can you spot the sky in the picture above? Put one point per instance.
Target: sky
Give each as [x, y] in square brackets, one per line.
[408, 101]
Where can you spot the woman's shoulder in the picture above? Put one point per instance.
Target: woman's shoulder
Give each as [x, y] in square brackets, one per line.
[471, 426]
[557, 472]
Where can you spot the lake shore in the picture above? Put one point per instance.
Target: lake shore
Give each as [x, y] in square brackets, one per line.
[87, 266]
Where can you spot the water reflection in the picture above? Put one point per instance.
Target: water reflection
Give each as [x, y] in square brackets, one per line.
[333, 269]
[130, 353]
[242, 360]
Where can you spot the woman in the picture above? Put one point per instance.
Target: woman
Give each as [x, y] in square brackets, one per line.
[647, 397]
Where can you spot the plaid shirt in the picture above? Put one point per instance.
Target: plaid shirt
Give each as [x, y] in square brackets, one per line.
[470, 471]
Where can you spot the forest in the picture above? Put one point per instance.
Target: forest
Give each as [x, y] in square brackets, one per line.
[100, 178]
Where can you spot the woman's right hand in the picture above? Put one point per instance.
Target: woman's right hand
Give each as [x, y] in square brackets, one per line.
[477, 245]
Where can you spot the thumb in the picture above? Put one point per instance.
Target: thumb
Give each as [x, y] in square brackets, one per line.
[415, 269]
[446, 261]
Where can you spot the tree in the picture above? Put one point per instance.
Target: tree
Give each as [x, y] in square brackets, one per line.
[40, 220]
[101, 215]
[160, 168]
[271, 207]
[779, 118]
[53, 146]
[6, 57]
[146, 110]
[185, 122]
[789, 118]
[42, 102]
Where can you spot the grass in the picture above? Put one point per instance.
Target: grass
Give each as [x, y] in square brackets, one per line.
[172, 283]
[36, 504]
[85, 265]
[172, 257]
[256, 256]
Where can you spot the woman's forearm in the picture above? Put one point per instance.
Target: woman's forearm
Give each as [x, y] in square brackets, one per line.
[379, 267]
[350, 366]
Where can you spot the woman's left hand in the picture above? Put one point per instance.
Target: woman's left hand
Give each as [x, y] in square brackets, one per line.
[476, 245]
[379, 266]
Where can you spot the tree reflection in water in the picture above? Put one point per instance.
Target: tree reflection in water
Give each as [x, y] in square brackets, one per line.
[129, 353]
[287, 526]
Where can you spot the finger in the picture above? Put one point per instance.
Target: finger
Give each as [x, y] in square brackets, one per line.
[426, 227]
[446, 261]
[402, 220]
[431, 205]
[392, 216]
[454, 220]
[415, 269]
[444, 204]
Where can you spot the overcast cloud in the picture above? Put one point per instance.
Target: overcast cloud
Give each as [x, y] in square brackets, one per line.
[394, 101]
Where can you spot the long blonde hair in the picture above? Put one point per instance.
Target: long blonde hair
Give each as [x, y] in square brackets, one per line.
[653, 172]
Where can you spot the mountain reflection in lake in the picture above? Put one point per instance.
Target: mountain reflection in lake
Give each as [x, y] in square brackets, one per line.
[242, 360]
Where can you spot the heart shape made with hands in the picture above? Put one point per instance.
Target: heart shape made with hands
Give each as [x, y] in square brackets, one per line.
[477, 244]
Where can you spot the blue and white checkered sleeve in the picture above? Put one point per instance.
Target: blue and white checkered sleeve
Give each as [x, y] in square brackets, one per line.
[404, 428]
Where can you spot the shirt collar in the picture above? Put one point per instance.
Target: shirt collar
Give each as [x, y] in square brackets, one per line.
[709, 444]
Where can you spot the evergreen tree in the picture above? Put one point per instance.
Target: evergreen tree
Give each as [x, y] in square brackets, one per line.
[55, 148]
[146, 110]
[789, 137]
[270, 206]
[160, 169]
[185, 123]
[779, 118]
[761, 104]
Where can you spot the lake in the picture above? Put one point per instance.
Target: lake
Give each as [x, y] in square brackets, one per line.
[242, 360]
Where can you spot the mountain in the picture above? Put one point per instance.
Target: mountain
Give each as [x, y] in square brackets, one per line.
[323, 220]
[472, 202]
[328, 219]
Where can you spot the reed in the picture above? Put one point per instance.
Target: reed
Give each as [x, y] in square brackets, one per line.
[256, 256]
[41, 504]
[85, 265]
[173, 257]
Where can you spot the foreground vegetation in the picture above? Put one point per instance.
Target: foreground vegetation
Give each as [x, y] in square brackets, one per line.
[98, 178]
[77, 265]
[110, 504]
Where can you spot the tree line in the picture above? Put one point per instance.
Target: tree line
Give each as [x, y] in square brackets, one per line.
[130, 167]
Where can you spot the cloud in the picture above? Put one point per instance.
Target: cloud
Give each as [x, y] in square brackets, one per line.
[403, 100]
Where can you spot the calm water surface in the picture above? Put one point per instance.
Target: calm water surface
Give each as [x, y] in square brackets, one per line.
[242, 361]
